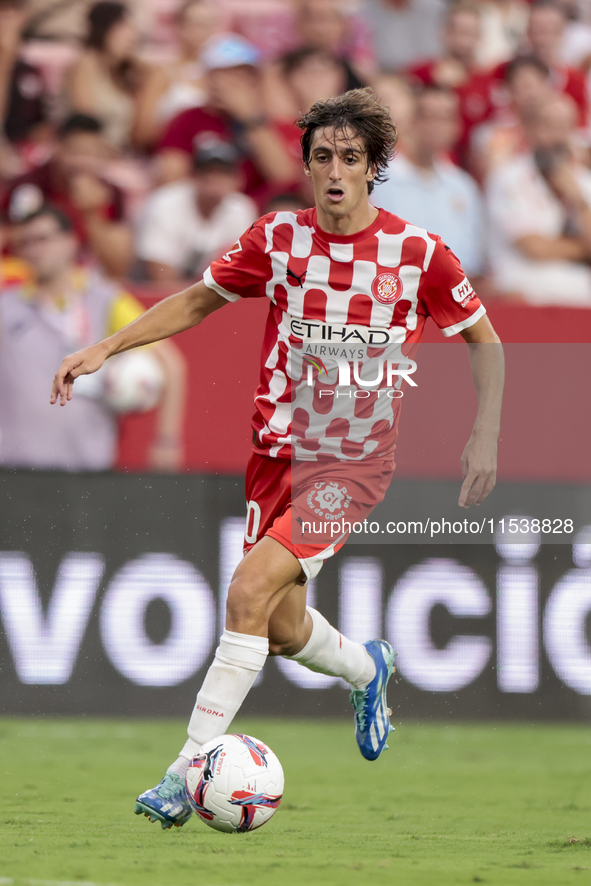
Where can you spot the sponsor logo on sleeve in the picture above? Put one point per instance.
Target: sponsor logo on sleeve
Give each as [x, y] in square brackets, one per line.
[463, 292]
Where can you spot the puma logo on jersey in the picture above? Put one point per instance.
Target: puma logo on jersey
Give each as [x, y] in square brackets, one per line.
[299, 279]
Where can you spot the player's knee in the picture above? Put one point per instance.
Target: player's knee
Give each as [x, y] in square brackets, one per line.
[248, 600]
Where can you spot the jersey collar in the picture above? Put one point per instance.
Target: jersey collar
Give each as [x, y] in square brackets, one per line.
[348, 238]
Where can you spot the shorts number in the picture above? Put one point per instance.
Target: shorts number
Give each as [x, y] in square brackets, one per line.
[253, 520]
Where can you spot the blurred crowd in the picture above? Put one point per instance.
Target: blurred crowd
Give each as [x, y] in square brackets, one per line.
[162, 129]
[140, 139]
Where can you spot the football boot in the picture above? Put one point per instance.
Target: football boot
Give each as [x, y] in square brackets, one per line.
[372, 714]
[167, 802]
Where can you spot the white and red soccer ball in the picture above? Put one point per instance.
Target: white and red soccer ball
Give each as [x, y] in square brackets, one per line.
[235, 783]
[132, 381]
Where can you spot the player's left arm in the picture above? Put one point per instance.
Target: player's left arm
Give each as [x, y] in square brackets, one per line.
[479, 458]
[171, 315]
[166, 450]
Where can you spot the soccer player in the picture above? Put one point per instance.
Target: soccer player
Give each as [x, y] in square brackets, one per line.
[342, 272]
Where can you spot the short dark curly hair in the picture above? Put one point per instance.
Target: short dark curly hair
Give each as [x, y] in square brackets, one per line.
[360, 111]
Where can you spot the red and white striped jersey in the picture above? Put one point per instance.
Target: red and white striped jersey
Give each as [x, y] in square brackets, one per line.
[343, 311]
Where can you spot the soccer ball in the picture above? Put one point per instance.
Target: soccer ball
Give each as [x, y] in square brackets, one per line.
[132, 381]
[235, 783]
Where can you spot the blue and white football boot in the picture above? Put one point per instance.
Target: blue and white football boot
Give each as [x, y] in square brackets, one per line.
[372, 714]
[167, 802]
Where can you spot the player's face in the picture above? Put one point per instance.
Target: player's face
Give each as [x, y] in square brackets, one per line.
[339, 171]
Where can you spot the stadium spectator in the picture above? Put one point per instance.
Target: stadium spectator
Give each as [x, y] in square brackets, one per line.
[196, 21]
[67, 308]
[495, 142]
[291, 202]
[73, 180]
[65, 21]
[576, 43]
[539, 206]
[312, 74]
[458, 69]
[292, 85]
[186, 224]
[13, 271]
[395, 92]
[295, 82]
[236, 113]
[323, 24]
[503, 26]
[269, 25]
[545, 35]
[276, 28]
[23, 99]
[426, 189]
[109, 81]
[405, 32]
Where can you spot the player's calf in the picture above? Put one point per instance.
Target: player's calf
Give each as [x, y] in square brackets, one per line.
[290, 625]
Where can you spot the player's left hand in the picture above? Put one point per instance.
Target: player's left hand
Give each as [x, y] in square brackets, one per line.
[82, 362]
[479, 469]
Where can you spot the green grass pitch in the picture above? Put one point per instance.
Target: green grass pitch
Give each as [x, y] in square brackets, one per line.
[447, 804]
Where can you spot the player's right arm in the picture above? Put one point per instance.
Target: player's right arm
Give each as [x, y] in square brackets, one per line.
[172, 315]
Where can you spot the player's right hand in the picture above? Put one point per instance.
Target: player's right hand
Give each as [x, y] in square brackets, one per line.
[81, 363]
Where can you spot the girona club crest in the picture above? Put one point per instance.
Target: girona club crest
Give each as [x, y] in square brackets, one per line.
[386, 288]
[327, 498]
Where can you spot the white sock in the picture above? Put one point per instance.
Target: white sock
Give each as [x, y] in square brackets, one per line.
[179, 767]
[328, 652]
[238, 660]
